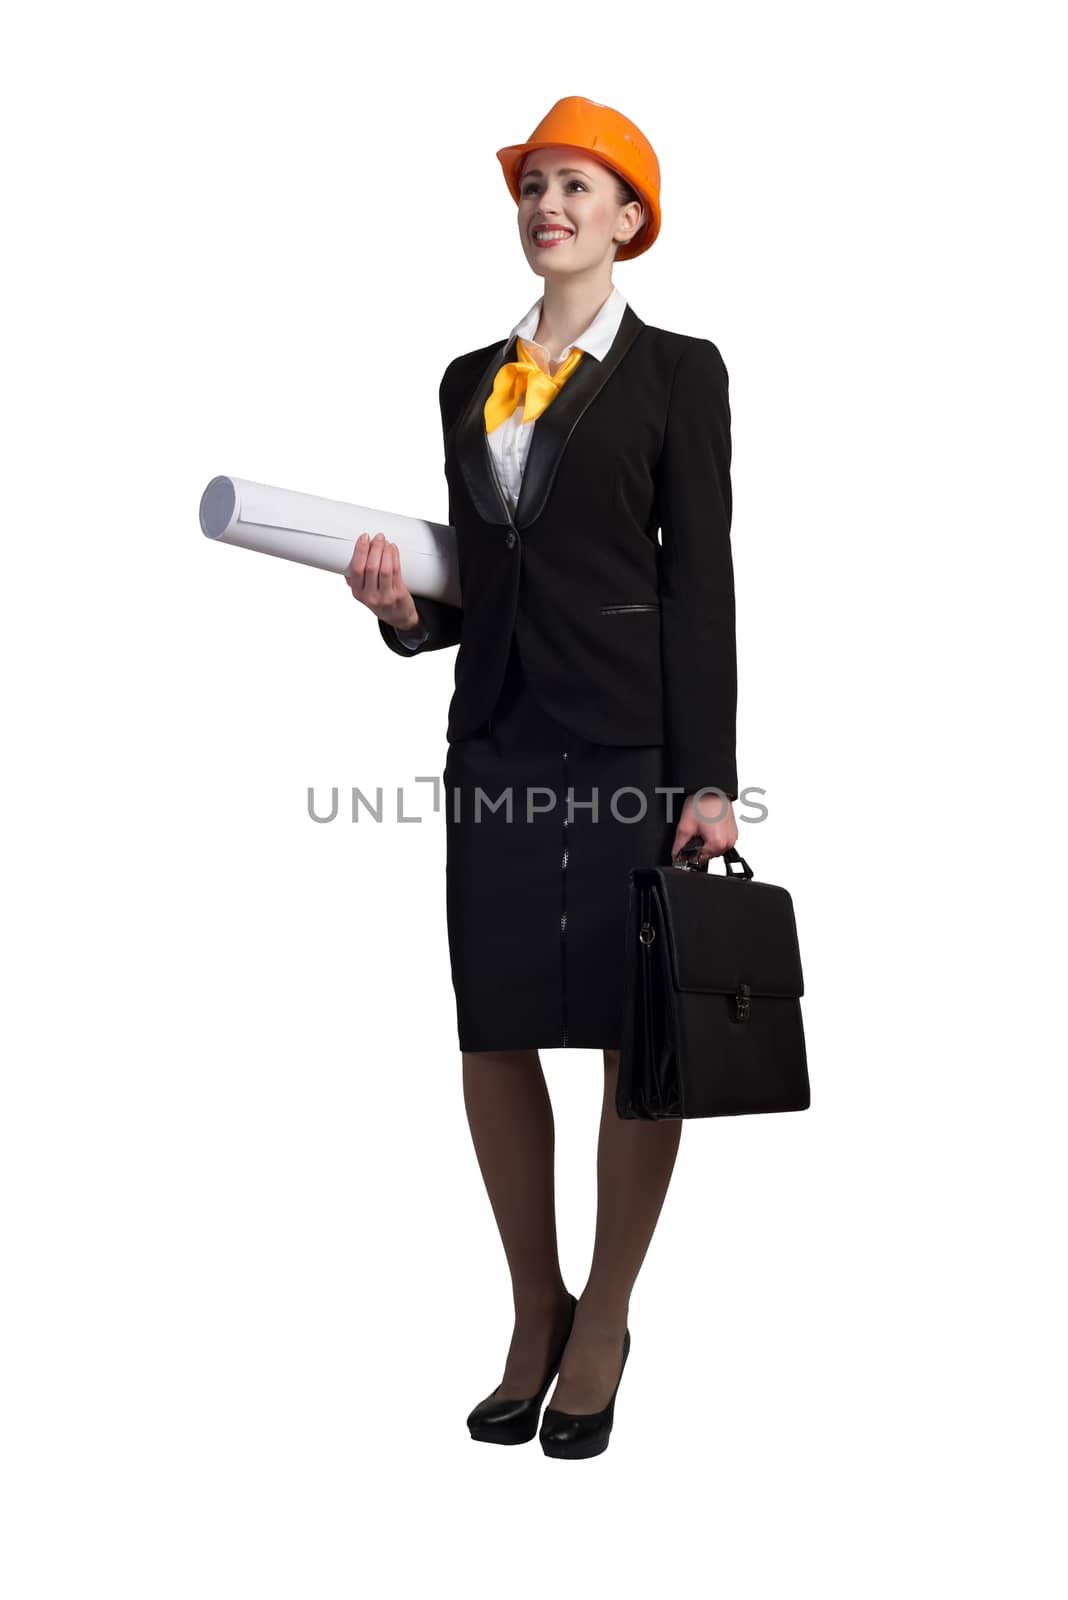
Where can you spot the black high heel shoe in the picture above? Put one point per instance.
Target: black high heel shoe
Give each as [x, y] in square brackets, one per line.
[573, 1435]
[500, 1421]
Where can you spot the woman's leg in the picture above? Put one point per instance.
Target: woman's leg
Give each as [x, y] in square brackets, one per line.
[511, 1120]
[635, 1160]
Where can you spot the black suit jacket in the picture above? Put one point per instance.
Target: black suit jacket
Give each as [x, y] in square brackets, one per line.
[626, 638]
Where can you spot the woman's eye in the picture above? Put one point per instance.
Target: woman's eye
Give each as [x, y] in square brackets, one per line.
[529, 188]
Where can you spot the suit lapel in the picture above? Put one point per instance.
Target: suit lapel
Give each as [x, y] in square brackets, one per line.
[551, 435]
[472, 446]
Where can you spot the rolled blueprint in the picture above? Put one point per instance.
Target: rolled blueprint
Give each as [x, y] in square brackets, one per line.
[323, 533]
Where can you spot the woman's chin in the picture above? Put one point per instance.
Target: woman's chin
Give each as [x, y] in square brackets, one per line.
[541, 264]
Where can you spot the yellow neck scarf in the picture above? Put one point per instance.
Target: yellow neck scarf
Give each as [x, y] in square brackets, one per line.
[523, 382]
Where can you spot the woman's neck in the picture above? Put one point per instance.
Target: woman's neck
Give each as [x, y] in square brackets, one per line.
[568, 306]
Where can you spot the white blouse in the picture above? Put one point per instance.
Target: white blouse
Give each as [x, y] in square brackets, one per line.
[509, 442]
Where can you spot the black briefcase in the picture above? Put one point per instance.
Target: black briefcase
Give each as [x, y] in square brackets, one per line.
[712, 996]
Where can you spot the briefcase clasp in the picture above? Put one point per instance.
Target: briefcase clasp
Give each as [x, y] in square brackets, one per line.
[741, 1003]
[647, 933]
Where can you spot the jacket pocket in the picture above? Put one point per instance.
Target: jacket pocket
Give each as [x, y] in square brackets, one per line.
[609, 611]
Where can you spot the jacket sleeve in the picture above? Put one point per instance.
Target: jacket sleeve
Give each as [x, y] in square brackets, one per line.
[698, 651]
[440, 620]
[442, 624]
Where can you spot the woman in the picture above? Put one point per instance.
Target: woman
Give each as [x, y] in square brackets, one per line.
[596, 670]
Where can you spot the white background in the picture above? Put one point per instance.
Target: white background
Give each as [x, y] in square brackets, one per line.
[252, 1280]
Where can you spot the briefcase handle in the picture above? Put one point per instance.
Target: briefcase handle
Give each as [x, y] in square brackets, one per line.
[730, 858]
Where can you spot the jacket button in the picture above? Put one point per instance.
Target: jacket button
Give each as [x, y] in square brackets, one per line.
[509, 538]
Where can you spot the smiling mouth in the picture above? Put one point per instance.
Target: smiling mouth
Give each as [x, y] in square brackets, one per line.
[550, 236]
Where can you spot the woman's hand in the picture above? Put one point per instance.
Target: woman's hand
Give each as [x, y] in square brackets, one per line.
[713, 824]
[374, 576]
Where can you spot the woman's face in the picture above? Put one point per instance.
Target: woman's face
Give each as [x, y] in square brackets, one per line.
[567, 188]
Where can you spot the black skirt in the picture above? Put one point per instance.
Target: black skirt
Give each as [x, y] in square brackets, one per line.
[536, 900]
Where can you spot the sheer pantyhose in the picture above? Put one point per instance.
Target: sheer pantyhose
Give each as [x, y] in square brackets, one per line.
[511, 1120]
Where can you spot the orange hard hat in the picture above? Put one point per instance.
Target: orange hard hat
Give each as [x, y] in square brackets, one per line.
[613, 139]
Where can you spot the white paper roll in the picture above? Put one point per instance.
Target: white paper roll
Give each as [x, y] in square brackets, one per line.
[323, 533]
